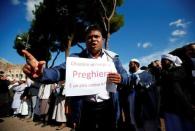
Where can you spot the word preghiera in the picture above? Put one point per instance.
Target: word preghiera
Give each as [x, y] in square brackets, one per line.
[89, 75]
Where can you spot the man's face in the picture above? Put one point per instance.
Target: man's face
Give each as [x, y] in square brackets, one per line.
[158, 64]
[132, 67]
[94, 42]
[191, 51]
[166, 64]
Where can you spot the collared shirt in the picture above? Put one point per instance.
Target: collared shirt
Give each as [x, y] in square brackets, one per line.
[103, 95]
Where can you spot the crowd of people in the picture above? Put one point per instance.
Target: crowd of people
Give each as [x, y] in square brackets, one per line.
[163, 90]
[32, 101]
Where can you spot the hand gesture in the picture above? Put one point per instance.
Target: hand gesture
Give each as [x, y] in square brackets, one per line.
[32, 68]
[114, 78]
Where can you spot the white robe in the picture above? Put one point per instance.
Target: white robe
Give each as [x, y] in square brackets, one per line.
[23, 110]
[18, 92]
[59, 109]
[45, 91]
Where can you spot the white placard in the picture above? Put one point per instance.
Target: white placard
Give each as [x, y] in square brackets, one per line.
[88, 76]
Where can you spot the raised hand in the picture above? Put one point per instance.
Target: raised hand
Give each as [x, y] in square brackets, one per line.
[32, 68]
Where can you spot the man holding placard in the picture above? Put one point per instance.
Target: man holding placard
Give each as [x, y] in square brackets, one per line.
[105, 71]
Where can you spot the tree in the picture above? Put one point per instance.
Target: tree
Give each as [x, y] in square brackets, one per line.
[21, 42]
[60, 24]
[107, 16]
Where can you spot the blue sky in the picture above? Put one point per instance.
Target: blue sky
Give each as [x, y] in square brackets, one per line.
[152, 28]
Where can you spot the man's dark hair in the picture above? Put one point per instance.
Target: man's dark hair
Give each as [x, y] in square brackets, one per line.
[144, 68]
[95, 27]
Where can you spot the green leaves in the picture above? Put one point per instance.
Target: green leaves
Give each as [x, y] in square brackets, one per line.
[60, 24]
[21, 42]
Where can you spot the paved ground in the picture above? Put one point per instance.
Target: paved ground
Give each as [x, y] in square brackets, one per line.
[16, 124]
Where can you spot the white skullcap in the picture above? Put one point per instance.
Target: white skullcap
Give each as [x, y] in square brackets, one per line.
[135, 60]
[175, 59]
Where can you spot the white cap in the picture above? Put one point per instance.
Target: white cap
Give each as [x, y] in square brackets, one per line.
[175, 59]
[135, 60]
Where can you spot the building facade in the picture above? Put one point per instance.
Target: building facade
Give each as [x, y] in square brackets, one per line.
[12, 71]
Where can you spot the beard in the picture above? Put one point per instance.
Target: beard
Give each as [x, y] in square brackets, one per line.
[131, 70]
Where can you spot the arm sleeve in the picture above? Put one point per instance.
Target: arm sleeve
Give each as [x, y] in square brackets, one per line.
[125, 79]
[53, 75]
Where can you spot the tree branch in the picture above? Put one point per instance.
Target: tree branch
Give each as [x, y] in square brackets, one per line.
[114, 7]
[58, 52]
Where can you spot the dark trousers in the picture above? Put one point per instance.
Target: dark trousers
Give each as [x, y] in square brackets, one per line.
[97, 116]
[125, 122]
